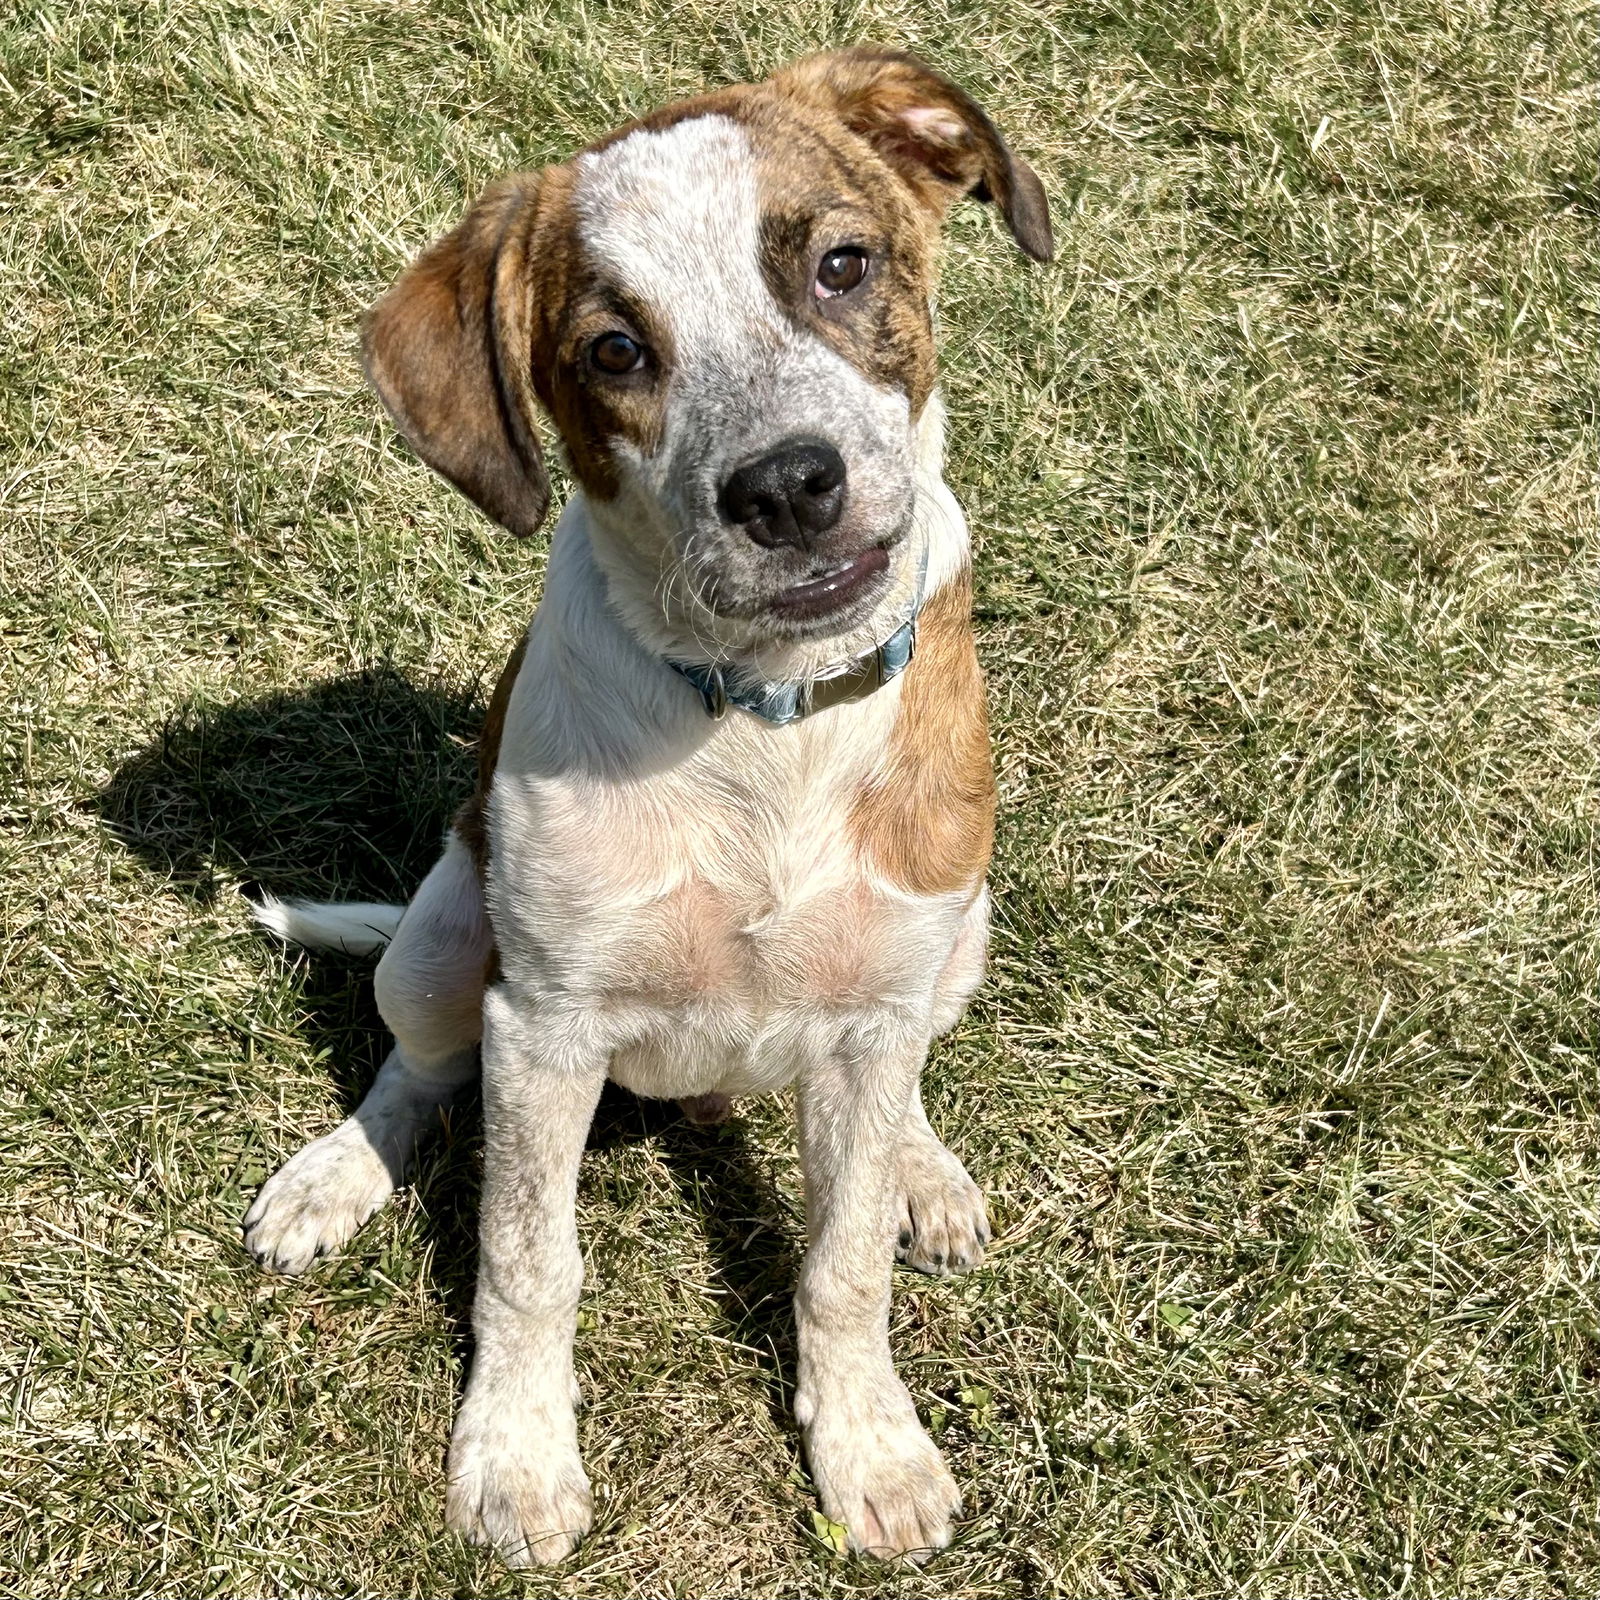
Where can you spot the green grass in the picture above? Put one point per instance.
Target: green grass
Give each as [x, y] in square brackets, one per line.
[1285, 1082]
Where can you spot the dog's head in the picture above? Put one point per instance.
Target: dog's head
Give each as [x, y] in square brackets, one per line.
[725, 309]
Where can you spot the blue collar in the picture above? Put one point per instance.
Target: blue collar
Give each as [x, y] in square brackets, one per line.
[781, 703]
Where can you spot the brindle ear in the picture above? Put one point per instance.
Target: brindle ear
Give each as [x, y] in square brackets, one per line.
[933, 134]
[447, 351]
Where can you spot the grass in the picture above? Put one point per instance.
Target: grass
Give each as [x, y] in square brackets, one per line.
[1284, 1084]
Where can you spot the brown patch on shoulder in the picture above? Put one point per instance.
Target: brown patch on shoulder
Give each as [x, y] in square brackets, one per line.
[928, 822]
[494, 719]
[472, 820]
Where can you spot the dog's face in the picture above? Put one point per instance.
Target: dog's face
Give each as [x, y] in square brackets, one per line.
[769, 315]
[725, 309]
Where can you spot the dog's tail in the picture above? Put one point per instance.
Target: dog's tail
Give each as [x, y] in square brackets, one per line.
[358, 927]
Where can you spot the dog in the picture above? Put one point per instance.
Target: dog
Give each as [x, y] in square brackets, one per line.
[735, 800]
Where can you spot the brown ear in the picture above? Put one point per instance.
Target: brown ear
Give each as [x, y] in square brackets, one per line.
[933, 134]
[447, 351]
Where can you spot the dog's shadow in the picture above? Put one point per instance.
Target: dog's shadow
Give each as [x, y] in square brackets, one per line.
[344, 791]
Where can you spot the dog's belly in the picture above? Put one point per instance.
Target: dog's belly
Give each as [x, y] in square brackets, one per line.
[703, 992]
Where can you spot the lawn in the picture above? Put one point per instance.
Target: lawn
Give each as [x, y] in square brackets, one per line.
[1284, 1084]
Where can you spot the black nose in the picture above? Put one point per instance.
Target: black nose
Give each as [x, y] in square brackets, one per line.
[788, 497]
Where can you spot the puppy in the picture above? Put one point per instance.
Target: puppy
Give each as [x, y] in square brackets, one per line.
[735, 801]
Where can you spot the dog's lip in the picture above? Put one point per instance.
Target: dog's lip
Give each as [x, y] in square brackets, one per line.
[828, 592]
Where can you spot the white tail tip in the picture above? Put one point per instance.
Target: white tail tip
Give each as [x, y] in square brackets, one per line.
[358, 927]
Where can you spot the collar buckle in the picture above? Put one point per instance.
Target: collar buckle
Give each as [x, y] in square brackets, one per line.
[714, 691]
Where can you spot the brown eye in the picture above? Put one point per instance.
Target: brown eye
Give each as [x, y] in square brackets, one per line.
[616, 354]
[840, 271]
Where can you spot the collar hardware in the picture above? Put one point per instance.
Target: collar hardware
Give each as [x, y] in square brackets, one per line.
[783, 703]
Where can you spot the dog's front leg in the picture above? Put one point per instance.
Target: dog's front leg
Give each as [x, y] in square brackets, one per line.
[876, 1469]
[515, 1478]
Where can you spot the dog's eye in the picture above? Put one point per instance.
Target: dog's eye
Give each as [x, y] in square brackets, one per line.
[840, 271]
[616, 354]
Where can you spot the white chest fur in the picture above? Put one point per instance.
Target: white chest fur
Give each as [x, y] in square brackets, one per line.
[716, 919]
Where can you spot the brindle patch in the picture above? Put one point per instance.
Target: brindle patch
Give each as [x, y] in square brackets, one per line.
[592, 412]
[436, 346]
[489, 325]
[821, 188]
[931, 132]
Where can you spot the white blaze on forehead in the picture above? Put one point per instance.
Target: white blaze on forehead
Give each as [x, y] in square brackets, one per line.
[673, 215]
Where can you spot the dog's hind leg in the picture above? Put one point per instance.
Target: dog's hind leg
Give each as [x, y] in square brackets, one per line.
[429, 987]
[943, 1223]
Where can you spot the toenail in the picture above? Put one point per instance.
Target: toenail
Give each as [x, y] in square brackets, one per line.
[905, 1238]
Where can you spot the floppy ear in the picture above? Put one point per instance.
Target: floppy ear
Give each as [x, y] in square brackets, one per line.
[933, 134]
[448, 350]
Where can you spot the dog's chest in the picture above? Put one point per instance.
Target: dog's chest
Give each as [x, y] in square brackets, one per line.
[716, 912]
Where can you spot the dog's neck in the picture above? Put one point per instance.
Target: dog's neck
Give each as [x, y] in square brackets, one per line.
[934, 549]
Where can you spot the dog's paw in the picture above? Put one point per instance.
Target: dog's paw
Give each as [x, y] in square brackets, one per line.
[880, 1475]
[316, 1200]
[944, 1226]
[517, 1486]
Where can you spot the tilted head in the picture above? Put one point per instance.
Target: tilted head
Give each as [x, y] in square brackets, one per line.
[725, 308]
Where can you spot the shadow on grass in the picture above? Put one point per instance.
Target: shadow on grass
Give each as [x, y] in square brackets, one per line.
[340, 791]
[343, 791]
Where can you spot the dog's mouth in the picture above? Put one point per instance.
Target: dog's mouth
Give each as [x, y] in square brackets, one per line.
[833, 589]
